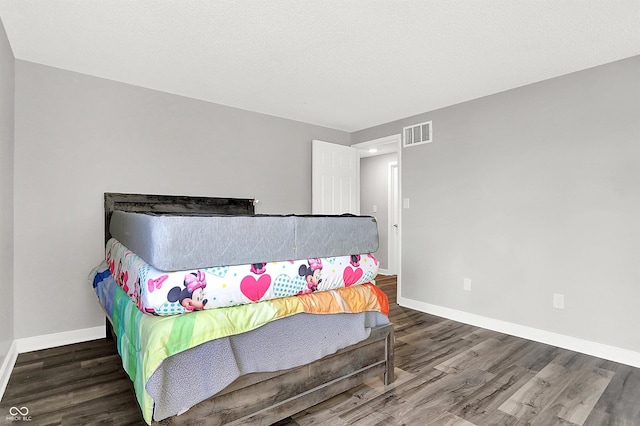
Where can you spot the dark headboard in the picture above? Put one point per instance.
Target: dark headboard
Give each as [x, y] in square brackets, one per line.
[172, 204]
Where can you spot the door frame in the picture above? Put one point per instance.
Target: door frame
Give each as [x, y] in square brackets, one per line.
[393, 202]
[392, 143]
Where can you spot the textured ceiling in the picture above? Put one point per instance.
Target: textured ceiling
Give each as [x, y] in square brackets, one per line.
[344, 64]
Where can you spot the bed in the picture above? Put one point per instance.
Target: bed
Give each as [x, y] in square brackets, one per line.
[261, 391]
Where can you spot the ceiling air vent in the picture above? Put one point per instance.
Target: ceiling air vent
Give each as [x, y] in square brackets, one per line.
[417, 134]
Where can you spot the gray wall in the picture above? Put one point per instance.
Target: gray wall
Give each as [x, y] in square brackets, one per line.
[531, 192]
[528, 192]
[374, 191]
[78, 136]
[6, 192]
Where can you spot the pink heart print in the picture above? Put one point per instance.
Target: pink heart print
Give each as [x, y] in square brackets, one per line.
[351, 276]
[253, 288]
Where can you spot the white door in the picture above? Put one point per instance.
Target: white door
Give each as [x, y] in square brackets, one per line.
[335, 183]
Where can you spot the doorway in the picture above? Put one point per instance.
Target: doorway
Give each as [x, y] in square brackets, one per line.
[393, 198]
[379, 188]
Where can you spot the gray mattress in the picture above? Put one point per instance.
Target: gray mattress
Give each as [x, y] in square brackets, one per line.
[171, 242]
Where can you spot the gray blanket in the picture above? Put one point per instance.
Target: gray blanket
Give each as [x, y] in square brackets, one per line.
[192, 376]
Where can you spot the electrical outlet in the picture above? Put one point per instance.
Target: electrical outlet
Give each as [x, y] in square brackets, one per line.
[558, 301]
[467, 284]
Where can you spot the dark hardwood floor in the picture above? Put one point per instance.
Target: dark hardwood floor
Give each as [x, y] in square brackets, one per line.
[447, 373]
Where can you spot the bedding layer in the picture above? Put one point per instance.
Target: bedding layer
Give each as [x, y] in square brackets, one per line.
[171, 242]
[171, 293]
[145, 341]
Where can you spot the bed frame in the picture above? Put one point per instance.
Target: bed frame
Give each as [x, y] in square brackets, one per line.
[265, 398]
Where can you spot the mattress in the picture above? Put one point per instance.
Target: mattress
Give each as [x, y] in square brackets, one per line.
[178, 361]
[171, 242]
[171, 293]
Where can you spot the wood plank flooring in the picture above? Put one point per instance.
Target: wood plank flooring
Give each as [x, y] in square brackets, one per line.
[447, 374]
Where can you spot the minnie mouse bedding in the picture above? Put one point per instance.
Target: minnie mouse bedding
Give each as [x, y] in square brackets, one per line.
[146, 341]
[171, 293]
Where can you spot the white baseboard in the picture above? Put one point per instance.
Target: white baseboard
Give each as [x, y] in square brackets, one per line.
[7, 367]
[612, 353]
[47, 341]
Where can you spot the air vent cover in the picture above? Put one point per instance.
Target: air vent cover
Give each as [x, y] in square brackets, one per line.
[417, 134]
